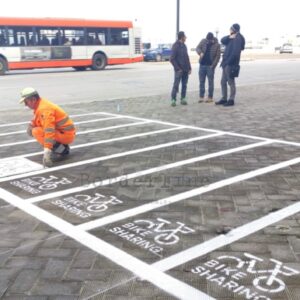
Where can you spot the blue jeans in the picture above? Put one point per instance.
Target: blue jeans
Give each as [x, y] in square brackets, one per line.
[180, 76]
[209, 72]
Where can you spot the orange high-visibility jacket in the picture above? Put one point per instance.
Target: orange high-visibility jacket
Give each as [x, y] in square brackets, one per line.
[51, 118]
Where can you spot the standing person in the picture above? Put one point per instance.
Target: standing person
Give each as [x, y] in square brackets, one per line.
[209, 55]
[182, 68]
[234, 44]
[50, 126]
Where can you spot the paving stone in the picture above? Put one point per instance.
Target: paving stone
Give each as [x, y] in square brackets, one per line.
[67, 270]
[59, 253]
[52, 288]
[24, 281]
[55, 268]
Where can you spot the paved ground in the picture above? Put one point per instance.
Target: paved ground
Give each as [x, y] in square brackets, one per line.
[195, 202]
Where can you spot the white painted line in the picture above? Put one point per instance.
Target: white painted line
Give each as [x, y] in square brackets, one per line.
[104, 141]
[223, 240]
[17, 166]
[113, 127]
[71, 116]
[82, 132]
[76, 123]
[144, 172]
[107, 157]
[185, 195]
[165, 282]
[98, 120]
[165, 123]
[12, 132]
[212, 130]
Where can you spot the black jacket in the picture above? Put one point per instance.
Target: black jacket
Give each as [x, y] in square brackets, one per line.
[180, 58]
[233, 50]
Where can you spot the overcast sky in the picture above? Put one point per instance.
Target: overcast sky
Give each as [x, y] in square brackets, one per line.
[157, 18]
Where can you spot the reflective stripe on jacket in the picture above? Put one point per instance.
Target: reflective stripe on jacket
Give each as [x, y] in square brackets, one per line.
[51, 117]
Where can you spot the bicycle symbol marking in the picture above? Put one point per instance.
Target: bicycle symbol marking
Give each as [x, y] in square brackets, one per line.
[166, 236]
[267, 281]
[50, 183]
[86, 206]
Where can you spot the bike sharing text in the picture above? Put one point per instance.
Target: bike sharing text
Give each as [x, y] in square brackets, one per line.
[151, 235]
[227, 271]
[85, 206]
[39, 184]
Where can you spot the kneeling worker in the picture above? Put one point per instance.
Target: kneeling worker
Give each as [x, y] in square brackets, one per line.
[50, 126]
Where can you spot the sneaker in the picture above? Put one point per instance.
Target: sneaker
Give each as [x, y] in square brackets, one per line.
[173, 102]
[183, 101]
[221, 102]
[230, 102]
[209, 100]
[201, 99]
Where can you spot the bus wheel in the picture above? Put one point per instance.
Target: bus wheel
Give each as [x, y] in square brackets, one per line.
[99, 62]
[3, 67]
[79, 68]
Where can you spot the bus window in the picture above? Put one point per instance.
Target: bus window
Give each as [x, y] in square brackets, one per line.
[96, 36]
[119, 36]
[48, 36]
[20, 36]
[73, 36]
[3, 40]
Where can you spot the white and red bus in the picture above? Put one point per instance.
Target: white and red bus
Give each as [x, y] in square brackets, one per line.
[27, 43]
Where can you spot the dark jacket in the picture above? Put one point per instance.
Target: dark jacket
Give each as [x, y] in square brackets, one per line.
[215, 51]
[180, 58]
[233, 50]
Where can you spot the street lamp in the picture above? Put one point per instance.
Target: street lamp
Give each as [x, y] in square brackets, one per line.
[177, 17]
[217, 32]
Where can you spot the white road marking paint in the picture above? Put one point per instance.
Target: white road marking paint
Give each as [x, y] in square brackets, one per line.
[102, 158]
[229, 238]
[76, 123]
[71, 116]
[82, 132]
[185, 195]
[165, 282]
[104, 141]
[145, 172]
[212, 130]
[17, 166]
[165, 123]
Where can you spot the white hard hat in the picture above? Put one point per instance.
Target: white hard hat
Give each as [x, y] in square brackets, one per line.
[26, 93]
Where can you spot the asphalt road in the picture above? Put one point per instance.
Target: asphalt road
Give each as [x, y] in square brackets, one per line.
[65, 86]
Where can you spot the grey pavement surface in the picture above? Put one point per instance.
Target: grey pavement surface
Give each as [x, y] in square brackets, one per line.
[131, 81]
[237, 237]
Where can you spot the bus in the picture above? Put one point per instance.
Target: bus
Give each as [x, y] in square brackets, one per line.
[27, 43]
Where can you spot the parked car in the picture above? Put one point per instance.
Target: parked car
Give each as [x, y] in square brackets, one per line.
[158, 54]
[286, 48]
[222, 48]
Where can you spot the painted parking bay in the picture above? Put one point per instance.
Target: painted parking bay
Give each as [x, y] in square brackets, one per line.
[174, 166]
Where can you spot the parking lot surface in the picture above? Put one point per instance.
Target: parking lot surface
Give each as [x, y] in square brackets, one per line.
[155, 202]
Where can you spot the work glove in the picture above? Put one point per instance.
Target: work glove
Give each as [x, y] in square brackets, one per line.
[29, 129]
[47, 160]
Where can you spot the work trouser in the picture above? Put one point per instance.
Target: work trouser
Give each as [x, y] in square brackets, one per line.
[231, 82]
[63, 138]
